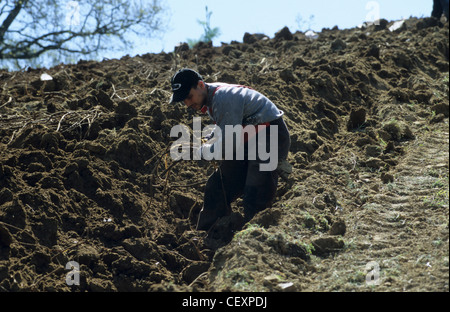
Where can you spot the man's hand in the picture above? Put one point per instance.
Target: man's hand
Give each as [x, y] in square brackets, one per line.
[198, 150]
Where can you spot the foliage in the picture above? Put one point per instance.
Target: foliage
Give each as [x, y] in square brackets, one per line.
[56, 30]
[209, 33]
[304, 25]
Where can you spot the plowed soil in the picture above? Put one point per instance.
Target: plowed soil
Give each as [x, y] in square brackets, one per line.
[85, 175]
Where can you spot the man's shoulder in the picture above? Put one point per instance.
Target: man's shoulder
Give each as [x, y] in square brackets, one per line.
[225, 89]
[221, 91]
[215, 85]
[220, 86]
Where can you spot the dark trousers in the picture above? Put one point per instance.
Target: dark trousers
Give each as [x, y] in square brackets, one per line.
[236, 178]
[439, 7]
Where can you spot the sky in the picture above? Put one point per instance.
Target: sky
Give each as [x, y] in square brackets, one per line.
[236, 17]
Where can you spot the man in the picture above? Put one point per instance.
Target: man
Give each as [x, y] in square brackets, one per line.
[237, 107]
[439, 7]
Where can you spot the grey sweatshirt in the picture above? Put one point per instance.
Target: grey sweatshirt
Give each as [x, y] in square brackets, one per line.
[237, 105]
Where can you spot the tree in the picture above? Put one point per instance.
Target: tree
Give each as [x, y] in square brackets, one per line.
[209, 33]
[30, 29]
[304, 25]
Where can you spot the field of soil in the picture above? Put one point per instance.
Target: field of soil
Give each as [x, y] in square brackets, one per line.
[85, 174]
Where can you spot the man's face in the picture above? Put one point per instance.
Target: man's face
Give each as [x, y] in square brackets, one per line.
[197, 97]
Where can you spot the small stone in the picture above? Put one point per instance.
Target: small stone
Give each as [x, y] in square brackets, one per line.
[287, 287]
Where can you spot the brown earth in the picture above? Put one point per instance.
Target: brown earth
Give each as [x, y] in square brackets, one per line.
[85, 176]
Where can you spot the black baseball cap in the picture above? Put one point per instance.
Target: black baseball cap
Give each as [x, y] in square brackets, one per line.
[182, 83]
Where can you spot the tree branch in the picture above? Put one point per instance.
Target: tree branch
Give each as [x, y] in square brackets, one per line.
[35, 32]
[11, 17]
